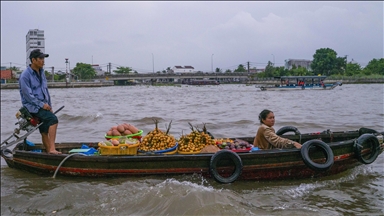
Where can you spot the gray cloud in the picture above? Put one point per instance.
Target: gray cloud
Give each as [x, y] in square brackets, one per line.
[188, 33]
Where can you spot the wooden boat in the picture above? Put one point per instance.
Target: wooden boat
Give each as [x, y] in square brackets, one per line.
[289, 83]
[322, 154]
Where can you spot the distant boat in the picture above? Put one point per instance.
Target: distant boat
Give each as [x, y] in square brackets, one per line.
[288, 83]
[202, 82]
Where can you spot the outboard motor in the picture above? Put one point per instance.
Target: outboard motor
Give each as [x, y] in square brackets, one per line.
[25, 120]
[26, 123]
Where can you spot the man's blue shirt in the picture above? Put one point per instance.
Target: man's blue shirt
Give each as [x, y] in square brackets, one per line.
[34, 90]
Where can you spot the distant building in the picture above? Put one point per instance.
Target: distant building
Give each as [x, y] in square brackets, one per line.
[98, 69]
[254, 70]
[185, 69]
[3, 68]
[34, 40]
[6, 74]
[298, 62]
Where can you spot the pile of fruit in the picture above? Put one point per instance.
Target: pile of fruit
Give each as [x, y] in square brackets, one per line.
[230, 144]
[122, 130]
[195, 141]
[121, 140]
[157, 139]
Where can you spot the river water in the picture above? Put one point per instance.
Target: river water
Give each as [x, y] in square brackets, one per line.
[228, 111]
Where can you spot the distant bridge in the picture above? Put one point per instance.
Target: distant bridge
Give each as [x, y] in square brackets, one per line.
[181, 76]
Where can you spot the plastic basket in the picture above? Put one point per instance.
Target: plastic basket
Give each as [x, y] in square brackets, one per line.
[171, 152]
[136, 135]
[168, 150]
[121, 149]
[181, 152]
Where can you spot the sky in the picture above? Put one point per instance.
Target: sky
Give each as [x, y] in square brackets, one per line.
[153, 35]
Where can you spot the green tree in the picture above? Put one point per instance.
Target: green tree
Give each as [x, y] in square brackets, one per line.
[269, 70]
[325, 61]
[228, 71]
[352, 69]
[218, 70]
[281, 71]
[84, 71]
[375, 66]
[240, 68]
[14, 68]
[123, 70]
[300, 71]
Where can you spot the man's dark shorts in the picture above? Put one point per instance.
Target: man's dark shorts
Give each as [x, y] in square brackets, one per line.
[48, 119]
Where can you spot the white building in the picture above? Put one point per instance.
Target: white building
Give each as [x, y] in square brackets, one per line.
[298, 62]
[98, 69]
[34, 40]
[185, 69]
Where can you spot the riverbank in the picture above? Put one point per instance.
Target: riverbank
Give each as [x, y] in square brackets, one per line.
[63, 85]
[253, 82]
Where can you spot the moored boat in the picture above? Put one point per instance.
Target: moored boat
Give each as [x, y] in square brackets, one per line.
[289, 83]
[324, 153]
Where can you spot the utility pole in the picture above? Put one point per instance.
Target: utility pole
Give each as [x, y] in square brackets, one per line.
[53, 74]
[66, 73]
[248, 67]
[153, 64]
[212, 63]
[273, 60]
[346, 64]
[109, 67]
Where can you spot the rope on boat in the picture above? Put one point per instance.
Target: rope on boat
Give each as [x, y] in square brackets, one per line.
[61, 163]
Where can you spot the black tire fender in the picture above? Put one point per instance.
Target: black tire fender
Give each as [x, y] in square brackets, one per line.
[217, 157]
[323, 146]
[286, 129]
[375, 147]
[7, 153]
[262, 88]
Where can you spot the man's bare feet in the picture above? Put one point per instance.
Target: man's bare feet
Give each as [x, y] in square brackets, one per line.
[54, 152]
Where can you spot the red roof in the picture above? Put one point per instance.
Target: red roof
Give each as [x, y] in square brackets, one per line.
[6, 74]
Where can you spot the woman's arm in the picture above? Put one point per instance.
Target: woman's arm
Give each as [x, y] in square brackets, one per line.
[277, 141]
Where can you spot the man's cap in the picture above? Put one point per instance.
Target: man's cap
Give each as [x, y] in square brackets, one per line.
[37, 54]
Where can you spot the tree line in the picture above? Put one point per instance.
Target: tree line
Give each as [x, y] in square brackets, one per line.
[325, 62]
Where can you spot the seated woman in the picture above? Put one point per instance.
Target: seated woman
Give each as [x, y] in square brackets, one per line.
[266, 137]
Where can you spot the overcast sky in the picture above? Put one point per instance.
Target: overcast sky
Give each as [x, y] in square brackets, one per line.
[199, 34]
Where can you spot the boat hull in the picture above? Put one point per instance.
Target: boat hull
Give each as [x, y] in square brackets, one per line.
[274, 164]
[297, 88]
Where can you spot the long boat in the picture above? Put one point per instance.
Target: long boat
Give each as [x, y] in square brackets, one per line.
[289, 83]
[322, 154]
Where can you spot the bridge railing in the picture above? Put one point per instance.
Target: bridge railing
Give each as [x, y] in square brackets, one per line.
[133, 75]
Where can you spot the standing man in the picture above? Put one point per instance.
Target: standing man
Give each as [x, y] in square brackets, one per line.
[35, 97]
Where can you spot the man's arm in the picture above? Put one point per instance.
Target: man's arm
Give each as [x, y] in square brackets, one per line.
[26, 91]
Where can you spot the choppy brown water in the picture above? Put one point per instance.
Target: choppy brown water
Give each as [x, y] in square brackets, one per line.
[229, 111]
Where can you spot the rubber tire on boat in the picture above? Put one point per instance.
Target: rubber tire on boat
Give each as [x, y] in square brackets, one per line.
[286, 129]
[7, 153]
[374, 149]
[307, 160]
[364, 130]
[262, 88]
[217, 157]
